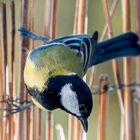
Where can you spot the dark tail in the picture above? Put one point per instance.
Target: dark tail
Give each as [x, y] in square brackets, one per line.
[121, 46]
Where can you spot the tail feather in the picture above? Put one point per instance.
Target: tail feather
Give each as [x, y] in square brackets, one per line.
[124, 45]
[24, 32]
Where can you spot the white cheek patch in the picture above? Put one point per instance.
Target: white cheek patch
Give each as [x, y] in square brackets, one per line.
[69, 100]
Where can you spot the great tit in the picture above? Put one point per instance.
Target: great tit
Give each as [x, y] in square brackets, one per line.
[53, 71]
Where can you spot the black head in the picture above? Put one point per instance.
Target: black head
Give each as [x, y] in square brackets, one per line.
[74, 96]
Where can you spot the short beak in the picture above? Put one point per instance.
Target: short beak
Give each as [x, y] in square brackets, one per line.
[84, 123]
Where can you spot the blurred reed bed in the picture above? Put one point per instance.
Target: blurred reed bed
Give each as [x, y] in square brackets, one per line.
[30, 123]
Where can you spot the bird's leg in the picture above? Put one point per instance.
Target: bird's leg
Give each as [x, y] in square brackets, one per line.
[16, 106]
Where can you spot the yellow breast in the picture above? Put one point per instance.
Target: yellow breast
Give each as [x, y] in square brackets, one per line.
[58, 60]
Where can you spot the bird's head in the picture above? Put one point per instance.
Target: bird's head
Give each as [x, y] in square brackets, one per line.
[74, 96]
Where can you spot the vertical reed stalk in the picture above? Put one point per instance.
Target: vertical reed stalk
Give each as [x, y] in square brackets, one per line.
[76, 17]
[1, 106]
[30, 112]
[82, 17]
[13, 40]
[54, 19]
[128, 100]
[80, 26]
[32, 126]
[4, 61]
[21, 121]
[48, 17]
[103, 97]
[11, 81]
[103, 101]
[39, 124]
[137, 29]
[50, 30]
[1, 71]
[70, 122]
[49, 128]
[47, 32]
[70, 128]
[115, 66]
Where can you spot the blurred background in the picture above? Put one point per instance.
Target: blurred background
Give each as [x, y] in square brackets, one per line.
[64, 26]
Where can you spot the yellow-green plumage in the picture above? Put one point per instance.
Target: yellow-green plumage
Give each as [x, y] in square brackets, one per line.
[45, 63]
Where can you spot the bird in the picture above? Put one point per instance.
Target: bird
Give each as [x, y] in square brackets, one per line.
[54, 70]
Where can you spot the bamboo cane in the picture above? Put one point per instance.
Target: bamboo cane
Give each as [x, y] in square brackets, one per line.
[128, 100]
[137, 29]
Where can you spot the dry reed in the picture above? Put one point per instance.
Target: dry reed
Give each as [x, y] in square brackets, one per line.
[50, 31]
[103, 103]
[79, 27]
[128, 98]
[21, 121]
[31, 119]
[115, 65]
[4, 63]
[137, 29]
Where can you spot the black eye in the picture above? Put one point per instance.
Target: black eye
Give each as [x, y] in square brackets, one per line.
[82, 107]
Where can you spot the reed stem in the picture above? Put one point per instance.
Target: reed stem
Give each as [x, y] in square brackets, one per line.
[50, 31]
[21, 120]
[30, 112]
[128, 99]
[70, 128]
[1, 74]
[103, 101]
[115, 66]
[12, 72]
[4, 63]
[137, 29]
[80, 26]
[110, 14]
